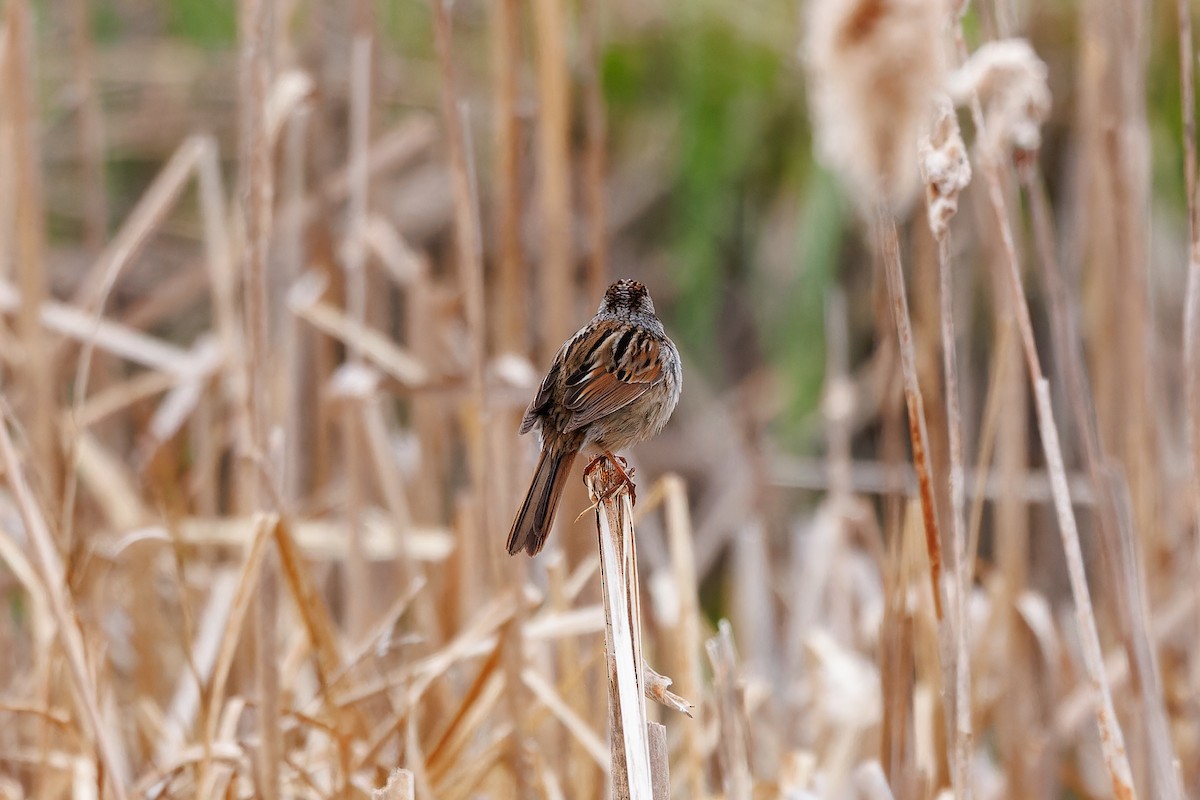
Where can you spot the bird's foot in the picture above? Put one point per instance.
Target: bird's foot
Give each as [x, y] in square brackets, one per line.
[624, 473]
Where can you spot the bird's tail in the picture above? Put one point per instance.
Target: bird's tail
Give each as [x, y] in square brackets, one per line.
[532, 525]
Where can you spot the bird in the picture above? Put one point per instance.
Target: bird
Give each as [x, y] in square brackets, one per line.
[613, 384]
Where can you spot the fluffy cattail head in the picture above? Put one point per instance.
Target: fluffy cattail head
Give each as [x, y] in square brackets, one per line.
[945, 168]
[873, 68]
[1011, 82]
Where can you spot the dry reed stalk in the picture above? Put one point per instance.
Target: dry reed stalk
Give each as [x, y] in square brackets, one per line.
[1191, 315]
[571, 755]
[469, 262]
[687, 640]
[37, 374]
[468, 252]
[392, 151]
[223, 282]
[111, 337]
[595, 150]
[733, 748]
[304, 300]
[556, 296]
[1128, 142]
[354, 253]
[295, 341]
[8, 193]
[513, 333]
[52, 575]
[1112, 740]
[248, 579]
[992, 406]
[1117, 529]
[632, 777]
[478, 703]
[352, 382]
[256, 23]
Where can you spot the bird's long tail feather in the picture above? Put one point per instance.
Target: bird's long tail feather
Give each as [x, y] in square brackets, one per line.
[532, 525]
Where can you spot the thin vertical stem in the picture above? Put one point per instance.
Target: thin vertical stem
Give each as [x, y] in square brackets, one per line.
[39, 407]
[596, 137]
[1112, 741]
[357, 585]
[514, 291]
[554, 179]
[1191, 313]
[256, 25]
[958, 567]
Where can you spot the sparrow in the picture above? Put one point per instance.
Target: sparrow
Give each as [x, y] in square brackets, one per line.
[613, 384]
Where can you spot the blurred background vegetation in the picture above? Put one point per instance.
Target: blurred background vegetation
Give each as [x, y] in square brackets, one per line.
[761, 268]
[750, 232]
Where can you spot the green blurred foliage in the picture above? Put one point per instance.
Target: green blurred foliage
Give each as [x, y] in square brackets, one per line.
[208, 23]
[736, 101]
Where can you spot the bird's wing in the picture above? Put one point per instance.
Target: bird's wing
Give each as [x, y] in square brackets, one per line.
[545, 394]
[619, 367]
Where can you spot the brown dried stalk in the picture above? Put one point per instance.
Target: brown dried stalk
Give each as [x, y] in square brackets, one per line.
[889, 245]
[513, 334]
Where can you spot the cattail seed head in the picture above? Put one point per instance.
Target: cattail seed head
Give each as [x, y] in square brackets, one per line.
[873, 66]
[945, 168]
[1011, 82]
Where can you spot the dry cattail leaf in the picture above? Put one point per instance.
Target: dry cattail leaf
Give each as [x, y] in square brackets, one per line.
[872, 73]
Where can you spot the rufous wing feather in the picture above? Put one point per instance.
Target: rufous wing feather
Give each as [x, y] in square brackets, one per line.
[612, 379]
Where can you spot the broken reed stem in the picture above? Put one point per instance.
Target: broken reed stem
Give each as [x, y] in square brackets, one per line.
[1112, 741]
[959, 571]
[889, 245]
[632, 777]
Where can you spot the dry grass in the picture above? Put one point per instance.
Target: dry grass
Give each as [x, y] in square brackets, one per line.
[258, 441]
